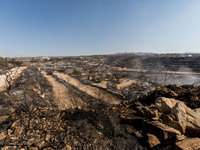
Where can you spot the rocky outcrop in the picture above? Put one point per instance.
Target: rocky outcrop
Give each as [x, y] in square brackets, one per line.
[193, 119]
[168, 122]
[165, 104]
[188, 94]
[185, 118]
[180, 113]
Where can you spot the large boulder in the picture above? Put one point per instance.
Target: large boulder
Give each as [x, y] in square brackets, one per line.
[180, 113]
[165, 104]
[193, 119]
[185, 117]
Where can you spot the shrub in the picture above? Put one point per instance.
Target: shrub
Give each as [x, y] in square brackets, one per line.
[77, 72]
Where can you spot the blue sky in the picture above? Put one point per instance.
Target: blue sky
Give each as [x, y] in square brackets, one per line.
[86, 27]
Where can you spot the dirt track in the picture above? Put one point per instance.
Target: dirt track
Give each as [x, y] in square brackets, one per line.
[126, 84]
[92, 91]
[63, 97]
[156, 71]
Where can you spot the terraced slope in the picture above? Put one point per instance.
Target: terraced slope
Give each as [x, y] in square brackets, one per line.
[47, 114]
[63, 97]
[92, 91]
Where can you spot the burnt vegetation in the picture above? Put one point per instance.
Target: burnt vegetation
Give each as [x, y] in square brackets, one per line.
[120, 102]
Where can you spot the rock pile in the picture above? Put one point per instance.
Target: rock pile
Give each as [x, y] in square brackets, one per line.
[168, 120]
[189, 94]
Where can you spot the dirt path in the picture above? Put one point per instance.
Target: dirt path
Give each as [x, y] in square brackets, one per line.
[126, 84]
[14, 74]
[64, 97]
[92, 91]
[156, 71]
[103, 84]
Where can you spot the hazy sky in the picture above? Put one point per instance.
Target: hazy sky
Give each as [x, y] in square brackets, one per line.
[82, 27]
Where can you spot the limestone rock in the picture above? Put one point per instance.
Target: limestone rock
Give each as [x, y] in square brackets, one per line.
[48, 136]
[166, 119]
[9, 148]
[179, 111]
[178, 126]
[188, 144]
[33, 148]
[2, 136]
[19, 130]
[67, 147]
[41, 144]
[152, 140]
[185, 118]
[165, 104]
[137, 134]
[161, 130]
[181, 137]
[193, 120]
[30, 141]
[148, 111]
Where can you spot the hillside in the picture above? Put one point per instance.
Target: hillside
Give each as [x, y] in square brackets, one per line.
[91, 102]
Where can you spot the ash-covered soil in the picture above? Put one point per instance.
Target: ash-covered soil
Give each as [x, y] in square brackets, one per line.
[31, 118]
[34, 127]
